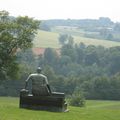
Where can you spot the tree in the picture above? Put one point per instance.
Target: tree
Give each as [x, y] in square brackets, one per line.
[91, 55]
[68, 49]
[45, 27]
[62, 38]
[80, 53]
[15, 34]
[50, 56]
[114, 60]
[105, 21]
[117, 27]
[27, 63]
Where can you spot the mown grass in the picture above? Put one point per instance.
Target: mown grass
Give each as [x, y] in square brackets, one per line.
[94, 110]
[50, 39]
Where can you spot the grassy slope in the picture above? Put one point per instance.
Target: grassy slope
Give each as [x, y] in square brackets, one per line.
[49, 39]
[94, 110]
[46, 39]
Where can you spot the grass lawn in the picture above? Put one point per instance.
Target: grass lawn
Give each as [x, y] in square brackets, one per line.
[94, 110]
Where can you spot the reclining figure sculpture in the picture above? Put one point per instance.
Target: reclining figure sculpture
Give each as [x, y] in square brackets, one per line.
[39, 95]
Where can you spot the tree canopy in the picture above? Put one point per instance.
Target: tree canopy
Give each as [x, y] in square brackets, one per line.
[16, 33]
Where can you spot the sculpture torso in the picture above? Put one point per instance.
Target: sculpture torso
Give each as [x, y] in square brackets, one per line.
[39, 84]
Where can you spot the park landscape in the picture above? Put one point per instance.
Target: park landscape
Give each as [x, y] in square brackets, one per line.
[102, 91]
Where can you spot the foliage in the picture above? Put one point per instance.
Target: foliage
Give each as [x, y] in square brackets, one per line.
[27, 63]
[94, 70]
[15, 34]
[90, 68]
[62, 38]
[44, 26]
[77, 99]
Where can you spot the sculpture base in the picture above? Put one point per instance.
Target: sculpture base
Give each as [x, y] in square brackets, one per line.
[55, 102]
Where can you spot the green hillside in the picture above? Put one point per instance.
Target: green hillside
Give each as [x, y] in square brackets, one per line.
[46, 39]
[50, 39]
[94, 110]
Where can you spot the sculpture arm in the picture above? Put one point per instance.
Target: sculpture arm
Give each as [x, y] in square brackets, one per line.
[49, 88]
[26, 81]
[26, 84]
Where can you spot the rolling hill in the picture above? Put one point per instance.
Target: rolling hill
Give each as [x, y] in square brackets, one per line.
[45, 39]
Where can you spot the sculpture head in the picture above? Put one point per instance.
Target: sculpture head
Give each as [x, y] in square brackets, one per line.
[39, 69]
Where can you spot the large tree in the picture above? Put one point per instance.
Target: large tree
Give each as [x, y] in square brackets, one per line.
[16, 33]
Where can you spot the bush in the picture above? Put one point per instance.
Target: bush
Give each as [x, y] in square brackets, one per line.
[77, 100]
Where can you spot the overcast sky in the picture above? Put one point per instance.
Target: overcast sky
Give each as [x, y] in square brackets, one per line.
[63, 9]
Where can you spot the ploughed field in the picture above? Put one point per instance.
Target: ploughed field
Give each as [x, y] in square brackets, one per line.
[94, 110]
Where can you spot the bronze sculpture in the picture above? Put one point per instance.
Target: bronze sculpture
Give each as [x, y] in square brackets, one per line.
[41, 97]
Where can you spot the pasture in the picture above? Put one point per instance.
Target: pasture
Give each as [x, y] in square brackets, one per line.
[45, 39]
[94, 110]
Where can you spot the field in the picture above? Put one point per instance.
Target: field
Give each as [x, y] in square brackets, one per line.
[94, 110]
[46, 39]
[50, 39]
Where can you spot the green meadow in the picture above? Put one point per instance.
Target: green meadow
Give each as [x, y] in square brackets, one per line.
[94, 110]
[45, 39]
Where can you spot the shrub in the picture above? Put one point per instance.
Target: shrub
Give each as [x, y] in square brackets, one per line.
[77, 100]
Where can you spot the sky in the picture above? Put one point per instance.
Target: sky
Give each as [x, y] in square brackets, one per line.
[63, 9]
